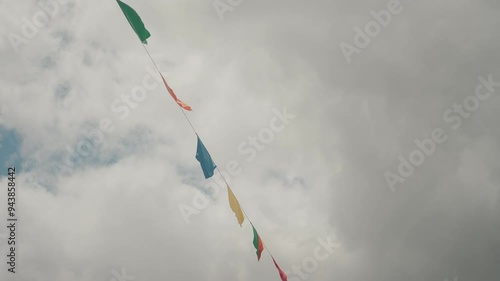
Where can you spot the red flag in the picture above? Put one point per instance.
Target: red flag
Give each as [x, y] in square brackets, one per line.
[282, 274]
[178, 101]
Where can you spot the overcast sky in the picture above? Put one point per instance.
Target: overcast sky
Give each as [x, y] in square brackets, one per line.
[331, 171]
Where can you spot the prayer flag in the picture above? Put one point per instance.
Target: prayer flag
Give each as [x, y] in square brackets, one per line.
[257, 242]
[178, 101]
[207, 165]
[282, 274]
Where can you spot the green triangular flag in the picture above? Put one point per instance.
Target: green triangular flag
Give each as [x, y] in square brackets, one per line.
[135, 21]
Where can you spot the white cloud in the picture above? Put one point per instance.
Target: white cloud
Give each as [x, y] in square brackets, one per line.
[321, 176]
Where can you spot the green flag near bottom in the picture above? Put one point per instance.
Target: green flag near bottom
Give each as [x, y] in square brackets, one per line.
[135, 21]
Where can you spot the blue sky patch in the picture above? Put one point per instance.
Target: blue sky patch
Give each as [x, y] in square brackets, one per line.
[10, 145]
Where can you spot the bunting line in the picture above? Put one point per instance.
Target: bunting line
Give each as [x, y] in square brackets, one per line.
[207, 164]
[202, 155]
[158, 69]
[257, 243]
[135, 22]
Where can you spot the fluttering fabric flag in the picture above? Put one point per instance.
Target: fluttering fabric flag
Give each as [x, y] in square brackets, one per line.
[235, 206]
[207, 165]
[135, 21]
[282, 274]
[257, 243]
[178, 101]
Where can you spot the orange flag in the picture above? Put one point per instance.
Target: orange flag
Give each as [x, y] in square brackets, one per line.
[178, 101]
[235, 206]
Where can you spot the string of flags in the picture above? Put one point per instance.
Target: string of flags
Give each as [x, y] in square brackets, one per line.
[208, 166]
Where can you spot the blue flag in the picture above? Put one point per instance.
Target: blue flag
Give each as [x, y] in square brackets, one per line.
[205, 160]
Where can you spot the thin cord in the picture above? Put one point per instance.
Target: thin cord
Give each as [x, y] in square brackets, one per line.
[217, 166]
[265, 244]
[189, 121]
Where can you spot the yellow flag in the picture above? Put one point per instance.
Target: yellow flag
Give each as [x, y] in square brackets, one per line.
[235, 206]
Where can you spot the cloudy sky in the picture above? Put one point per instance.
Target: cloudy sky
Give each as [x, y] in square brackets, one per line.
[103, 177]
